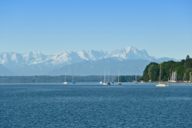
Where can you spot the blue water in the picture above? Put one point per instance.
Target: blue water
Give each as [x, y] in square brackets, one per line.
[94, 106]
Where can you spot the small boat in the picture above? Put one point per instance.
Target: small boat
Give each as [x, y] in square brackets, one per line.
[173, 78]
[65, 83]
[118, 80]
[105, 83]
[102, 83]
[65, 80]
[119, 83]
[108, 83]
[161, 84]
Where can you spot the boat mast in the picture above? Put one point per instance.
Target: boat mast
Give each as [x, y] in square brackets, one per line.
[160, 72]
[104, 78]
[65, 77]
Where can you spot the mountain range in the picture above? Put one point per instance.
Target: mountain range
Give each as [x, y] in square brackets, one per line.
[125, 61]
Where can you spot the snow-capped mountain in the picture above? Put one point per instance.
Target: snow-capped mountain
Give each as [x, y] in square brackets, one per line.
[69, 57]
[89, 62]
[130, 53]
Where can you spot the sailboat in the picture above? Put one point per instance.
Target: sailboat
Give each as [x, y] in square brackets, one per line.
[104, 80]
[190, 77]
[73, 80]
[135, 79]
[161, 84]
[65, 82]
[118, 82]
[173, 77]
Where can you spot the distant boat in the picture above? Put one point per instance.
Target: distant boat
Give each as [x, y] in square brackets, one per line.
[190, 79]
[73, 82]
[118, 82]
[65, 82]
[161, 84]
[135, 79]
[104, 82]
[173, 78]
[107, 83]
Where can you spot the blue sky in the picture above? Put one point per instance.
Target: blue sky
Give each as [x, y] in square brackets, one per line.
[162, 27]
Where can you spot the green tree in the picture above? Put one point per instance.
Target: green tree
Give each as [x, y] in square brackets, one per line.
[182, 68]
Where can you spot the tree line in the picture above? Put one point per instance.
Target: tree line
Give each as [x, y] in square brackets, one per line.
[182, 68]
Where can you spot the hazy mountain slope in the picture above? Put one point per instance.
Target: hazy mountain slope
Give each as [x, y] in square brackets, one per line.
[101, 67]
[4, 71]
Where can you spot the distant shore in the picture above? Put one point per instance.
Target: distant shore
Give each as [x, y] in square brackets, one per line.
[68, 78]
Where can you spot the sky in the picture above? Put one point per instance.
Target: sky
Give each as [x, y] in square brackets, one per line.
[162, 27]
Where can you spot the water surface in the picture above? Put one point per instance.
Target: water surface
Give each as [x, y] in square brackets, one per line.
[94, 106]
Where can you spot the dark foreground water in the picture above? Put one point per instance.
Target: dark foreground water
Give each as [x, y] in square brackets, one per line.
[86, 106]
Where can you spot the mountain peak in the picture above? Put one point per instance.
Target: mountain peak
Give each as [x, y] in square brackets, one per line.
[37, 63]
[66, 57]
[131, 49]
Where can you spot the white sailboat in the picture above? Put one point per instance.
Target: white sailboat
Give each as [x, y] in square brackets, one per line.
[161, 84]
[104, 83]
[104, 80]
[65, 82]
[135, 79]
[173, 78]
[118, 81]
[190, 78]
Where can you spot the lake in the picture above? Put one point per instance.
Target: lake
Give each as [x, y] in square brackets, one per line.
[95, 106]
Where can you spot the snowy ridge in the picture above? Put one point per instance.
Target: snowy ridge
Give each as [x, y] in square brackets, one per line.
[68, 57]
[132, 61]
